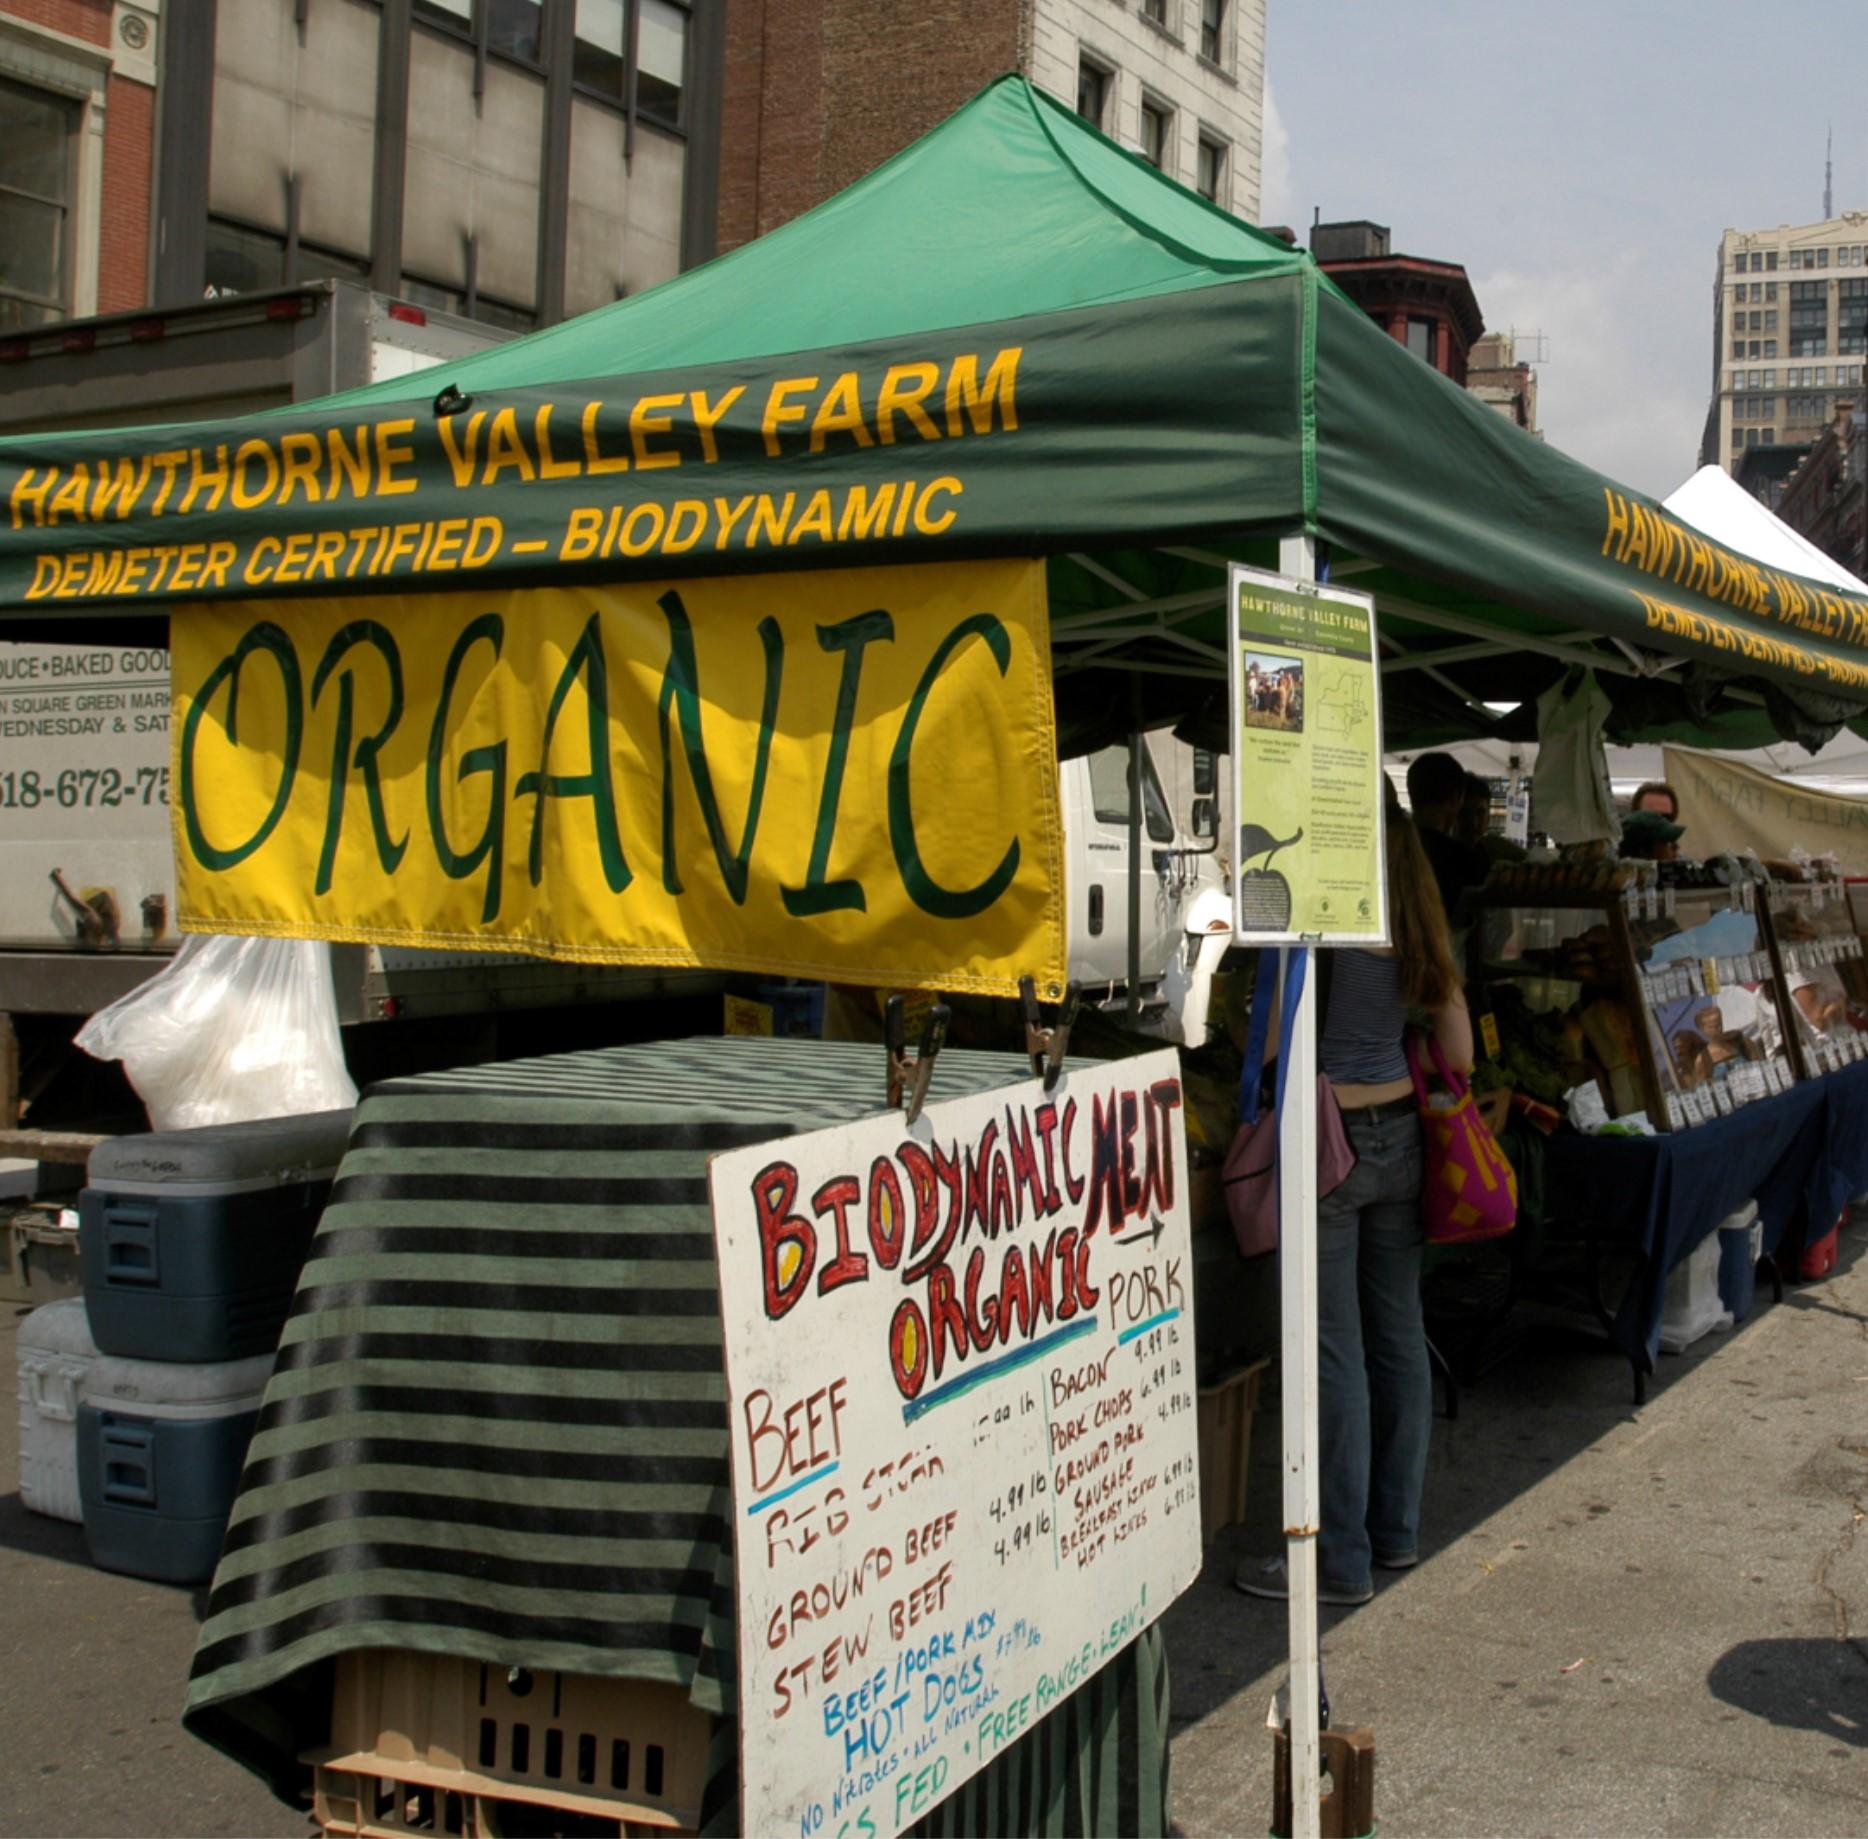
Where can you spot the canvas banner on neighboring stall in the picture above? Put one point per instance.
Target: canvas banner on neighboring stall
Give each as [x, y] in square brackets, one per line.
[848, 775]
[1727, 806]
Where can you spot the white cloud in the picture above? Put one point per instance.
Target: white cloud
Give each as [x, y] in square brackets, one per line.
[1610, 392]
[1274, 165]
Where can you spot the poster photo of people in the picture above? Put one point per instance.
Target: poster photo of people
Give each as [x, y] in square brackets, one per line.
[1274, 692]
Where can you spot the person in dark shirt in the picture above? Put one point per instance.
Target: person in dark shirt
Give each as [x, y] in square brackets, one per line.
[1436, 787]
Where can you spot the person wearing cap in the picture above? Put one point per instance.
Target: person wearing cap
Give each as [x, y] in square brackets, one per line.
[1649, 837]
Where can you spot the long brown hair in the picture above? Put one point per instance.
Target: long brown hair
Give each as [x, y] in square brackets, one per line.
[1417, 918]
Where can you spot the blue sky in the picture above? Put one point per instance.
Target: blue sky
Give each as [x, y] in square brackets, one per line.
[1582, 160]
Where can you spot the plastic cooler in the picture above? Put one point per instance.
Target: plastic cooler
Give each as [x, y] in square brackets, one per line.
[55, 1355]
[160, 1446]
[1692, 1306]
[192, 1239]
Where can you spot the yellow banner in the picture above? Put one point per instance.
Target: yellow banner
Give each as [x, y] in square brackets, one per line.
[1728, 806]
[849, 774]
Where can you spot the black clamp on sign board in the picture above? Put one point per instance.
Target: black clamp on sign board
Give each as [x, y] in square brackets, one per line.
[908, 1079]
[1046, 1047]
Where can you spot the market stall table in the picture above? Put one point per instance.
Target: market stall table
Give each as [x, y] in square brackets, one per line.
[1801, 1155]
[497, 1425]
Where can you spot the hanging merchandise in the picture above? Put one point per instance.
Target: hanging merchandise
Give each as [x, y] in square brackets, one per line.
[1570, 787]
[233, 1029]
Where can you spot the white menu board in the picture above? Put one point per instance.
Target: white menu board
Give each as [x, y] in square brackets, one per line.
[960, 1370]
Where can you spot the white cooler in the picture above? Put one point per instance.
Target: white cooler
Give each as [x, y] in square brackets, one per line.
[56, 1353]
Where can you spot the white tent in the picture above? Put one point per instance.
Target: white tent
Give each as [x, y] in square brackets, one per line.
[1716, 505]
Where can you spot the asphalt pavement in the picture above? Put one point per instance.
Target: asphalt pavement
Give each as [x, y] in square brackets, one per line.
[1626, 1622]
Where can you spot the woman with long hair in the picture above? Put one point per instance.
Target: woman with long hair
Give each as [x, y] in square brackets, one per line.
[1374, 1386]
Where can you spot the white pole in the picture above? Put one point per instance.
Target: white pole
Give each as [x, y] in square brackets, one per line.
[1297, 1225]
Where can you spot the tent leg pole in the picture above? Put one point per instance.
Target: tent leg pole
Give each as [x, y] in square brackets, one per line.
[1133, 1008]
[1297, 1167]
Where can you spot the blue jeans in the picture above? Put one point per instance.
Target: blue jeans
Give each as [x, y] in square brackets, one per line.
[1376, 1391]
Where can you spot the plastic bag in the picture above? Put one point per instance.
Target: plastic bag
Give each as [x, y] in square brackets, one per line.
[233, 1029]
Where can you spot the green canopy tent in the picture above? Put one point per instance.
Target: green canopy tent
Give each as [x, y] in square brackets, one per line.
[1187, 390]
[1033, 344]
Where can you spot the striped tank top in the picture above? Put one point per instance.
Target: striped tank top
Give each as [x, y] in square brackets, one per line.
[1360, 1042]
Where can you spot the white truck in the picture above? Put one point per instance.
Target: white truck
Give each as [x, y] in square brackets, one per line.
[1186, 898]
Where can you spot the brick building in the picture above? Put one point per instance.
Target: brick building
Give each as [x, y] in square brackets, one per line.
[1826, 498]
[77, 149]
[818, 92]
[1427, 306]
[515, 160]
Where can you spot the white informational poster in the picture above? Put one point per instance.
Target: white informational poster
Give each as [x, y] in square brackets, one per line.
[960, 1373]
[1307, 755]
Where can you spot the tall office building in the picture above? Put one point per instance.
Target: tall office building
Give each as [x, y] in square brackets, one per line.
[818, 92]
[1790, 331]
[516, 160]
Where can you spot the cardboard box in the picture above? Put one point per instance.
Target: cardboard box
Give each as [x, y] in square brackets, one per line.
[1226, 1410]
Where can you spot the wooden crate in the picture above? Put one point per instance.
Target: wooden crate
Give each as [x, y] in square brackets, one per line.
[1224, 1423]
[433, 1744]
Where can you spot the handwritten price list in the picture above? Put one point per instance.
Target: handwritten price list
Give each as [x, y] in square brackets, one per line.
[922, 1579]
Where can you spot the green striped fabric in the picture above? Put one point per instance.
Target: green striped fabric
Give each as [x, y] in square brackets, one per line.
[496, 1427]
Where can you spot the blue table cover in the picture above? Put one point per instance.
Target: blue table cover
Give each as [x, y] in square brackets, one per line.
[1801, 1155]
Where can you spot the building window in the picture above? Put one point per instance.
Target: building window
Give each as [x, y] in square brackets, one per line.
[1213, 31]
[512, 27]
[1809, 319]
[662, 61]
[38, 159]
[449, 15]
[1770, 347]
[1210, 170]
[1738, 347]
[240, 260]
[1420, 339]
[1822, 258]
[600, 57]
[597, 60]
[1851, 318]
[1770, 319]
[1738, 437]
[1157, 10]
[1157, 125]
[1092, 91]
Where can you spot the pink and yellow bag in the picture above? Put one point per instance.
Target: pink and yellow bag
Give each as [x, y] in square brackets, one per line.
[1469, 1190]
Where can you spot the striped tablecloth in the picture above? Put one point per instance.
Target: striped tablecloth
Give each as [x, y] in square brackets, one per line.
[497, 1424]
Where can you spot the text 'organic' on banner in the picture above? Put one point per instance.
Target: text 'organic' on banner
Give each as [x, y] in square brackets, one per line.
[848, 774]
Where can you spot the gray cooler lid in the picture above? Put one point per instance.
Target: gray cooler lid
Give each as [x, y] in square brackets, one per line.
[265, 1152]
[58, 1328]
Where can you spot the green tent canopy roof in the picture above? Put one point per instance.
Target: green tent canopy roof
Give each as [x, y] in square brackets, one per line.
[1014, 337]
